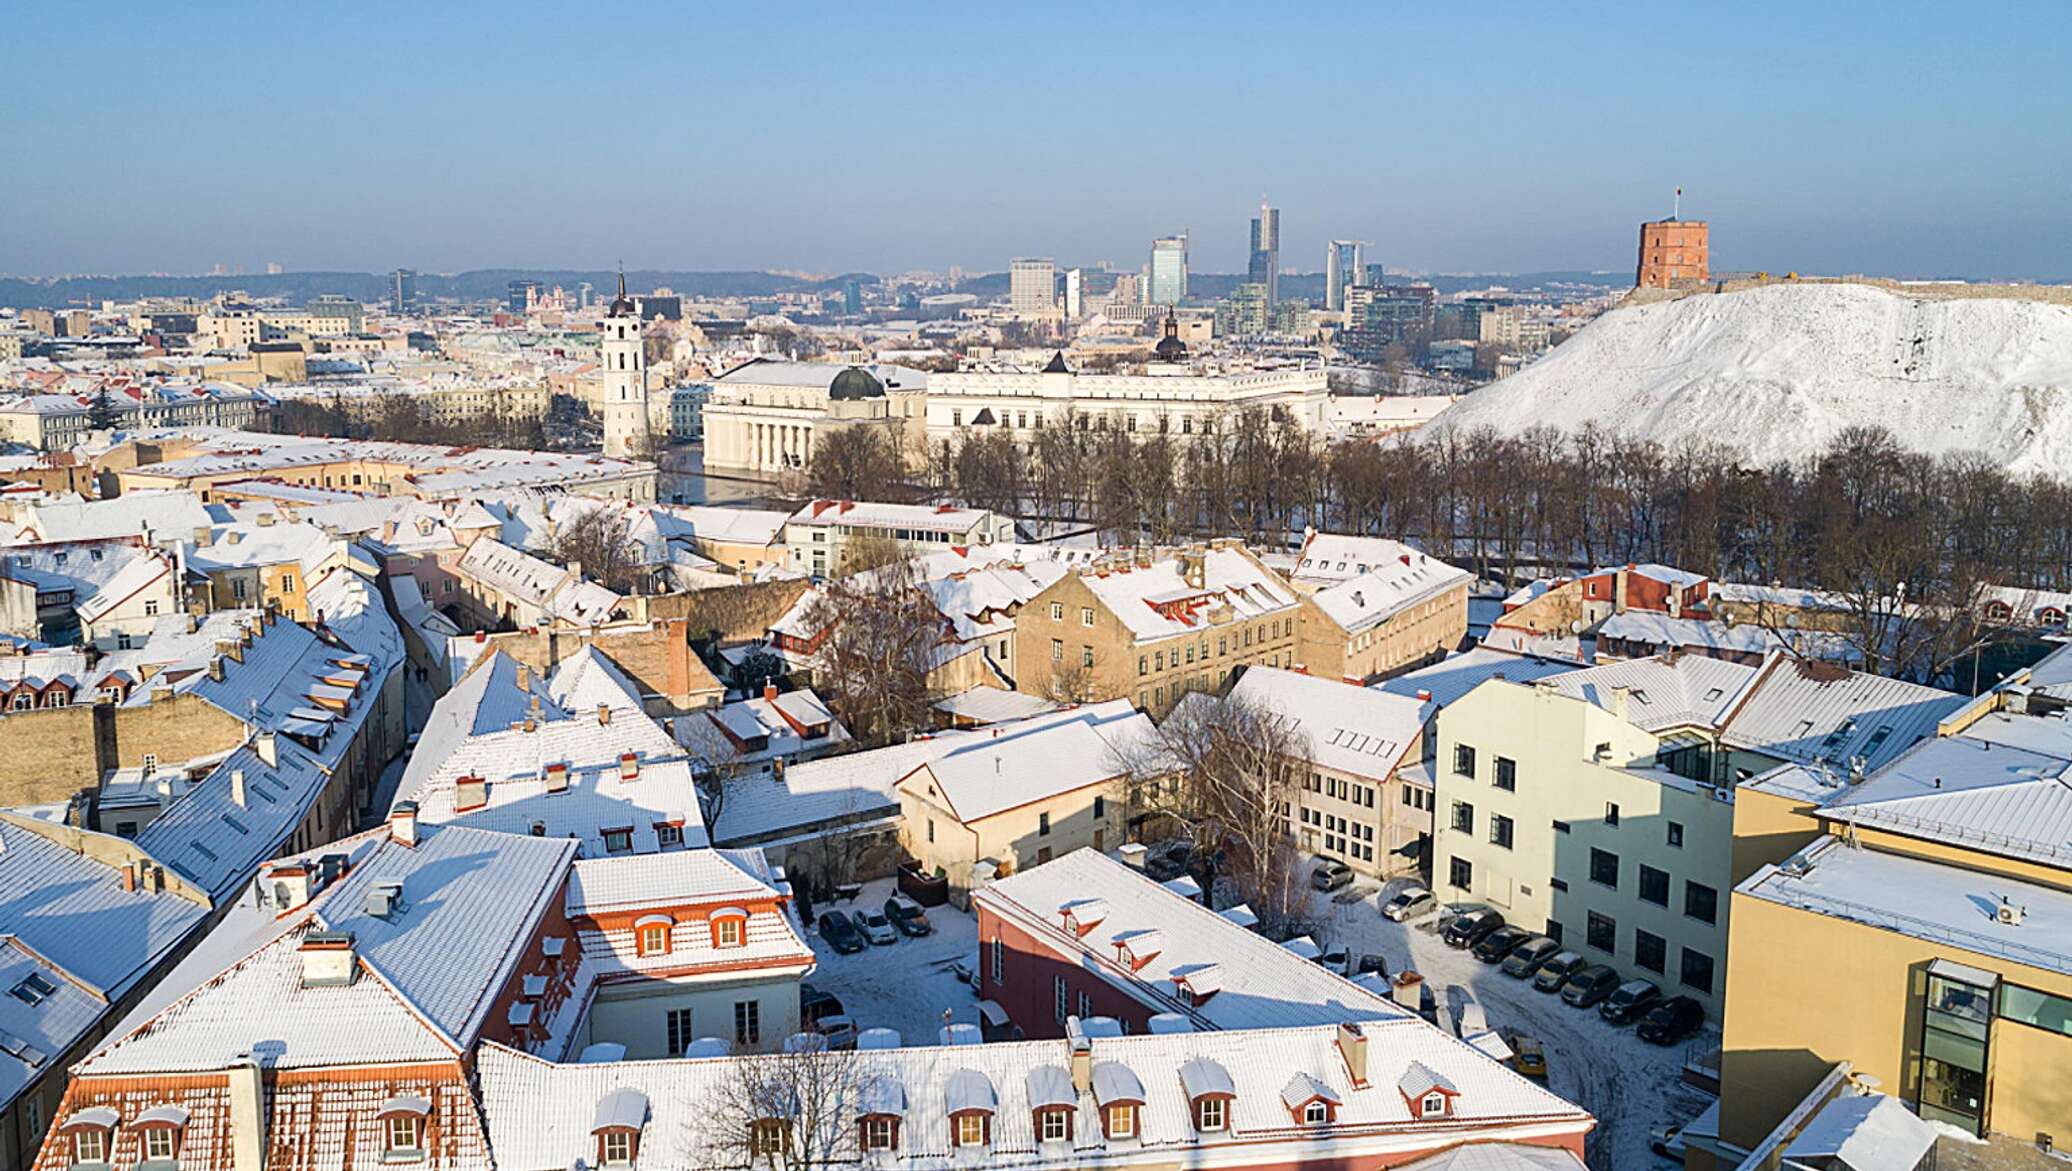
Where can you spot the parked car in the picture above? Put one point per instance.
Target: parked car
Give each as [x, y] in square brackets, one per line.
[1526, 958]
[839, 1029]
[965, 973]
[1335, 960]
[840, 933]
[1630, 1001]
[1468, 927]
[1407, 904]
[816, 1005]
[1529, 1058]
[1373, 964]
[1589, 986]
[1667, 1141]
[1555, 971]
[874, 926]
[907, 915]
[1671, 1021]
[1493, 947]
[1330, 874]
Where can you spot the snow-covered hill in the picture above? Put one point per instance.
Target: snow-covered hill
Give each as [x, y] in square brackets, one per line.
[1777, 372]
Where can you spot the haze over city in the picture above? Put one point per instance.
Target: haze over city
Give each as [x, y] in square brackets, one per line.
[1903, 139]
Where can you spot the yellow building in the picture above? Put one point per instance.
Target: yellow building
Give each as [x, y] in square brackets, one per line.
[1914, 922]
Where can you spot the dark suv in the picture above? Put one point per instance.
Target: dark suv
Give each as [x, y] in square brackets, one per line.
[1469, 927]
[1631, 1001]
[1671, 1021]
[1589, 986]
[1498, 944]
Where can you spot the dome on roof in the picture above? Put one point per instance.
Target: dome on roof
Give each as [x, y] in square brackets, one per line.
[1170, 348]
[854, 383]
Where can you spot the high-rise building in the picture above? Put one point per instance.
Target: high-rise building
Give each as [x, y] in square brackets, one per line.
[1373, 276]
[852, 296]
[1168, 273]
[1341, 268]
[1075, 293]
[626, 419]
[518, 295]
[1032, 285]
[1265, 269]
[586, 293]
[402, 290]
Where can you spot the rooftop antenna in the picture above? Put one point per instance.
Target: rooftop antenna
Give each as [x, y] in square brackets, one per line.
[1677, 214]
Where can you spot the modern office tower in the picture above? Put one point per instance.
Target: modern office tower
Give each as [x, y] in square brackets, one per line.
[518, 295]
[852, 296]
[402, 290]
[1372, 276]
[1341, 268]
[585, 294]
[1265, 269]
[1168, 272]
[1032, 285]
[1075, 293]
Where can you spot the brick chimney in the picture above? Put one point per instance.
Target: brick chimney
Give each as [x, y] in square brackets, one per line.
[604, 713]
[769, 691]
[556, 777]
[629, 766]
[403, 823]
[470, 793]
[1352, 1045]
[247, 1087]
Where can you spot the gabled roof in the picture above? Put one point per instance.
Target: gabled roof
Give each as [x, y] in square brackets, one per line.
[1456, 675]
[1018, 765]
[1970, 792]
[1350, 729]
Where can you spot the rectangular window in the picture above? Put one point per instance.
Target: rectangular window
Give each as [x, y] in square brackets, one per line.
[1057, 650]
[1650, 951]
[1654, 887]
[1611, 813]
[1463, 760]
[1143, 664]
[1602, 933]
[1086, 656]
[1122, 1121]
[1057, 611]
[618, 841]
[1701, 902]
[1086, 1005]
[1061, 998]
[877, 1134]
[158, 1144]
[1676, 835]
[679, 1029]
[90, 1145]
[1057, 1125]
[971, 1130]
[1697, 970]
[2041, 1010]
[1461, 873]
[748, 1022]
[1561, 827]
[1604, 868]
[1209, 1114]
[999, 961]
[1043, 823]
[1560, 884]
[1506, 774]
[402, 1134]
[668, 835]
[1086, 615]
[1463, 817]
[1100, 807]
[1500, 830]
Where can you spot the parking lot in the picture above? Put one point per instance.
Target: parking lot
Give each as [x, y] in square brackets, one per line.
[1630, 1085]
[905, 985]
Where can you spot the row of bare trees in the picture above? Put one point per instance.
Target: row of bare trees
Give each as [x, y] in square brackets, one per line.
[404, 418]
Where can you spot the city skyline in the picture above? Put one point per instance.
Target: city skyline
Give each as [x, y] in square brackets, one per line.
[1525, 141]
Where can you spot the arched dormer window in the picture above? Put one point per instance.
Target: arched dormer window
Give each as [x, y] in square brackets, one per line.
[1121, 1098]
[1052, 1103]
[971, 1105]
[616, 1126]
[160, 1130]
[1210, 1091]
[651, 934]
[729, 927]
[403, 1120]
[92, 1132]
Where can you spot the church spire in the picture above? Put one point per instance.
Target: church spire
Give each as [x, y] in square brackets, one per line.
[623, 305]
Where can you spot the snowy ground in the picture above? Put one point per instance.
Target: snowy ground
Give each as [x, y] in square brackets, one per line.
[1628, 1084]
[904, 985]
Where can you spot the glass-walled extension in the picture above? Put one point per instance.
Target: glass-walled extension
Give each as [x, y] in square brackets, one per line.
[1956, 1032]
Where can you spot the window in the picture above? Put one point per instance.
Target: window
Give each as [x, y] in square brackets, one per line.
[679, 1030]
[654, 939]
[1143, 664]
[159, 1144]
[1086, 1004]
[1316, 1112]
[1697, 970]
[999, 961]
[150, 607]
[1506, 774]
[1100, 808]
[1057, 611]
[668, 835]
[1086, 615]
[1054, 1126]
[1434, 1104]
[748, 1022]
[288, 583]
[1042, 823]
[1463, 760]
[971, 1130]
[402, 1135]
[1676, 834]
[1560, 884]
[1086, 656]
[34, 988]
[1602, 932]
[1061, 998]
[1057, 650]
[877, 1133]
[1611, 813]
[1500, 830]
[1211, 1114]
[1461, 873]
[1701, 902]
[1650, 951]
[1122, 1121]
[1561, 827]
[1654, 887]
[1463, 817]
[1604, 868]
[2038, 1009]
[766, 1137]
[726, 930]
[617, 1148]
[90, 1145]
[618, 841]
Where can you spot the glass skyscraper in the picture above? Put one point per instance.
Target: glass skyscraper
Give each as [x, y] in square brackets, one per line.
[1341, 268]
[1265, 269]
[1168, 270]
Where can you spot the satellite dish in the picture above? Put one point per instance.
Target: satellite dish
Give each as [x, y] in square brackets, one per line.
[1868, 1081]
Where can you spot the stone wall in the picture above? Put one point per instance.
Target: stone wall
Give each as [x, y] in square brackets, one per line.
[53, 753]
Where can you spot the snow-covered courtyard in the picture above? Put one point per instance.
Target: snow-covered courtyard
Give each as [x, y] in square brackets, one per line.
[905, 985]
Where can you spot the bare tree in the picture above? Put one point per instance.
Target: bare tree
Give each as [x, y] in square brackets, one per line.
[598, 541]
[883, 639]
[1070, 682]
[715, 759]
[795, 1110]
[856, 463]
[1229, 770]
[866, 552]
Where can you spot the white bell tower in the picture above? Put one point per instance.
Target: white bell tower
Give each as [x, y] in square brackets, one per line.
[625, 378]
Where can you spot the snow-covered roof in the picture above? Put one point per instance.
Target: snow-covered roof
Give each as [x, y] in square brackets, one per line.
[873, 514]
[1663, 692]
[1356, 730]
[731, 526]
[1263, 985]
[1371, 598]
[607, 890]
[1157, 601]
[165, 515]
[1499, 1157]
[1018, 764]
[540, 584]
[1661, 632]
[588, 679]
[1951, 906]
[1970, 792]
[1864, 1132]
[1456, 675]
[988, 705]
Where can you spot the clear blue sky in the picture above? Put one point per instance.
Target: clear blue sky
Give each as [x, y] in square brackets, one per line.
[1829, 136]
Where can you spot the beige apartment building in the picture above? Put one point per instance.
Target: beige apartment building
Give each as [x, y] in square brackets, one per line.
[1152, 625]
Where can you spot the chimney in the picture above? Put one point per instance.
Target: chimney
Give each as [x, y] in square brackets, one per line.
[1082, 1057]
[129, 876]
[237, 787]
[1352, 1045]
[1619, 702]
[231, 649]
[247, 1114]
[329, 959]
[1408, 990]
[1424, 696]
[216, 668]
[1132, 854]
[470, 793]
[604, 713]
[557, 777]
[291, 886]
[403, 823]
[524, 677]
[629, 766]
[268, 749]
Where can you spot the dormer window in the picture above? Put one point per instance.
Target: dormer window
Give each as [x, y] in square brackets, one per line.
[1428, 1093]
[1316, 1113]
[620, 1115]
[766, 1136]
[402, 1120]
[615, 1148]
[160, 1129]
[1121, 1121]
[1209, 1091]
[618, 841]
[971, 1101]
[651, 935]
[1434, 1105]
[972, 1129]
[879, 1132]
[1211, 1115]
[729, 927]
[1054, 1125]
